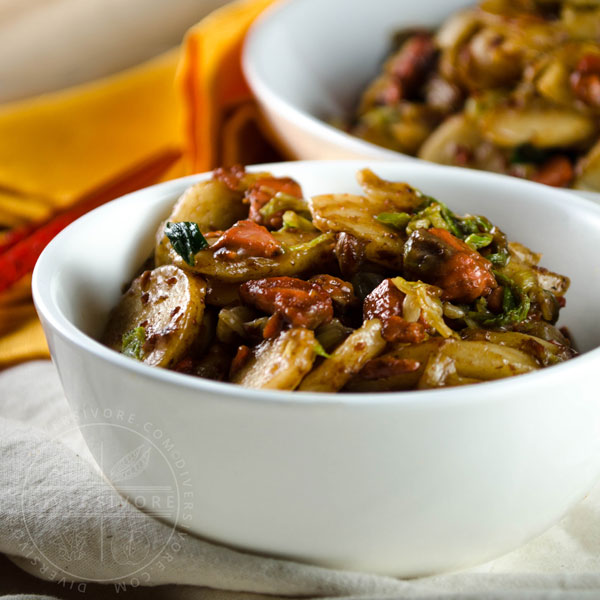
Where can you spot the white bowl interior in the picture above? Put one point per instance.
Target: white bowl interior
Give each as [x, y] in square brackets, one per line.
[84, 270]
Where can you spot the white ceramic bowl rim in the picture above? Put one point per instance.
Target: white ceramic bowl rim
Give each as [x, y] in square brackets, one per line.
[508, 387]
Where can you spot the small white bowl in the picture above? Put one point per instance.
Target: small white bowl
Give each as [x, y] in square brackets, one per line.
[307, 61]
[402, 483]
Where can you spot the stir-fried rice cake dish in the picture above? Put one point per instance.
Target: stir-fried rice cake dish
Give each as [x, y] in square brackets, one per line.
[511, 86]
[390, 290]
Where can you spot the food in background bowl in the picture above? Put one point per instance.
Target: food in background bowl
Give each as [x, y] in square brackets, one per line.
[384, 291]
[510, 87]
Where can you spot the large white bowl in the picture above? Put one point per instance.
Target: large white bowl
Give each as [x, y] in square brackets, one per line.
[401, 483]
[307, 61]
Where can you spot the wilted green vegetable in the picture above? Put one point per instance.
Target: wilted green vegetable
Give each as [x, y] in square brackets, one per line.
[186, 239]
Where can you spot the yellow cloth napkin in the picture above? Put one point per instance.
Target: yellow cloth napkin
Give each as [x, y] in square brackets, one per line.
[184, 112]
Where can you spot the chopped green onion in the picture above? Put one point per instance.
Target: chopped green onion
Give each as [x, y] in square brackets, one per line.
[451, 220]
[477, 241]
[292, 220]
[474, 224]
[281, 202]
[397, 220]
[320, 351]
[431, 216]
[499, 259]
[132, 343]
[515, 305]
[310, 244]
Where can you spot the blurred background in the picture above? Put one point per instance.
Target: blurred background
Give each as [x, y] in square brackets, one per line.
[47, 45]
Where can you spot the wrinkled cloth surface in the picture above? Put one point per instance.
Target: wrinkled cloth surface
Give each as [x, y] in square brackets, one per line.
[61, 521]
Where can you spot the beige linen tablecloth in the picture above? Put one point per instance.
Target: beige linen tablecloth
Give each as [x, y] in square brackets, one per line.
[46, 470]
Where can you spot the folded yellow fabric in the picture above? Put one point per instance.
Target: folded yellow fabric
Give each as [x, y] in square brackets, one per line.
[21, 335]
[61, 146]
[183, 112]
[56, 150]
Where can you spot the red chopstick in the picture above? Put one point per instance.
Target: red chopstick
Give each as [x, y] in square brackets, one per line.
[21, 257]
[12, 236]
